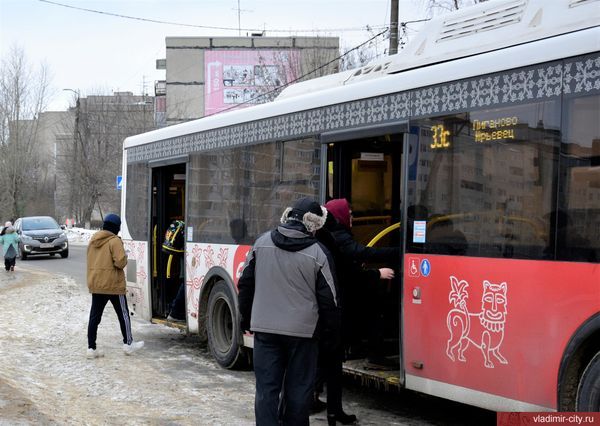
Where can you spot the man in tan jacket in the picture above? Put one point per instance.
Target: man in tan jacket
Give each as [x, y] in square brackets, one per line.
[106, 259]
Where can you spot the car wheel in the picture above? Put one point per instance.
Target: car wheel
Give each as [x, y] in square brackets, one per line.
[23, 255]
[64, 254]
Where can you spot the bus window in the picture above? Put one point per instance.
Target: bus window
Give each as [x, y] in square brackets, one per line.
[578, 218]
[486, 180]
[247, 188]
[136, 204]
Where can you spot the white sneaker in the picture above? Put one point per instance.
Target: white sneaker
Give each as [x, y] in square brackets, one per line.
[129, 349]
[172, 319]
[94, 353]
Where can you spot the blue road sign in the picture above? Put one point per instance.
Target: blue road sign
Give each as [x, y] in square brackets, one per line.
[119, 182]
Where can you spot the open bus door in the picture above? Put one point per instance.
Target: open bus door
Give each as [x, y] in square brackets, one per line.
[168, 205]
[367, 172]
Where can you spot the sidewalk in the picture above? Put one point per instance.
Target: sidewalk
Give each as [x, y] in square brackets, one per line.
[45, 377]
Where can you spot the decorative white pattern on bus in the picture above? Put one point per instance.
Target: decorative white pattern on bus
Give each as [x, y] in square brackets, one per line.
[137, 295]
[545, 81]
[200, 258]
[484, 329]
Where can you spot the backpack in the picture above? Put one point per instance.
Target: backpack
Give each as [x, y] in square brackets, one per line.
[174, 238]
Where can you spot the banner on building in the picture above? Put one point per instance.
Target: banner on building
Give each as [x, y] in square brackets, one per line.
[246, 77]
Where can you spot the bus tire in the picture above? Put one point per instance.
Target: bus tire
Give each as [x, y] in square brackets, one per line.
[222, 327]
[588, 392]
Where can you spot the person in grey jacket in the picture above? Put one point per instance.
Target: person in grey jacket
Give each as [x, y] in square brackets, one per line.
[288, 299]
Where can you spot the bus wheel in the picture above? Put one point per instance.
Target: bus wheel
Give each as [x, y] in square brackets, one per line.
[588, 393]
[224, 338]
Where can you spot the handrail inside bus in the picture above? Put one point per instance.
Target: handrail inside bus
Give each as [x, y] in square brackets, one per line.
[361, 219]
[383, 234]
[537, 227]
[439, 219]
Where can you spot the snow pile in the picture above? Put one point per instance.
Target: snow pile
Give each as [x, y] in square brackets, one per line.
[45, 377]
[79, 236]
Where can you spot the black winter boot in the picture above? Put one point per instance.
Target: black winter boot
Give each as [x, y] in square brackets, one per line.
[343, 418]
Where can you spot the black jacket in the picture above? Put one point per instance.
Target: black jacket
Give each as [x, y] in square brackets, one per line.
[353, 279]
[353, 254]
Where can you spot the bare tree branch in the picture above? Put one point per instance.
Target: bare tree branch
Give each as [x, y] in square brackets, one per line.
[91, 160]
[23, 96]
[440, 7]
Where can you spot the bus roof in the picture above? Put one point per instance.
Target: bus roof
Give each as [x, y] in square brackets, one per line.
[447, 45]
[486, 27]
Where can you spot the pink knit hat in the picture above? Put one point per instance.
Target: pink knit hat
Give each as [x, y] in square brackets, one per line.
[340, 209]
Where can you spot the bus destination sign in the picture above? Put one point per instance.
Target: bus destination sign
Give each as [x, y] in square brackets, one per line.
[494, 129]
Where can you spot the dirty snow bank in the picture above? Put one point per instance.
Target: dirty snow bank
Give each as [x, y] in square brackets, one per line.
[80, 236]
[44, 371]
[45, 378]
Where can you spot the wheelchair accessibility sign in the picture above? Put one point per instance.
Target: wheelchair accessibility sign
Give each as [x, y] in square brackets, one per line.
[413, 266]
[418, 267]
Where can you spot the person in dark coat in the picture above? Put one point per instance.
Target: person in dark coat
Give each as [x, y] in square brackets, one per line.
[331, 351]
[359, 286]
[347, 253]
[287, 298]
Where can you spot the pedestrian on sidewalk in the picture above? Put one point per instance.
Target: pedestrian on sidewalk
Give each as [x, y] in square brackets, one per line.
[10, 245]
[106, 259]
[286, 288]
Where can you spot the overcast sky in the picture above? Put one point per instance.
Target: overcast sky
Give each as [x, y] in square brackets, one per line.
[99, 53]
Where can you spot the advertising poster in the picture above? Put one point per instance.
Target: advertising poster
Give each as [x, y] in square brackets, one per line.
[243, 77]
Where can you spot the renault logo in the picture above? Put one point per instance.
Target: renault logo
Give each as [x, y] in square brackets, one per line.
[45, 239]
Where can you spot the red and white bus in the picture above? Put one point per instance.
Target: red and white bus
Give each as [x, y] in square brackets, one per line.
[481, 139]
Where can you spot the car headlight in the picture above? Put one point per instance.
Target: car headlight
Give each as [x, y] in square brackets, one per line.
[25, 237]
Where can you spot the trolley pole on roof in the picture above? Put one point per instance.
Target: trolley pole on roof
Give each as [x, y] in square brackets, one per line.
[394, 28]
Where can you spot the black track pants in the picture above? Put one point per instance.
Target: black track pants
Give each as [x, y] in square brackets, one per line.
[119, 302]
